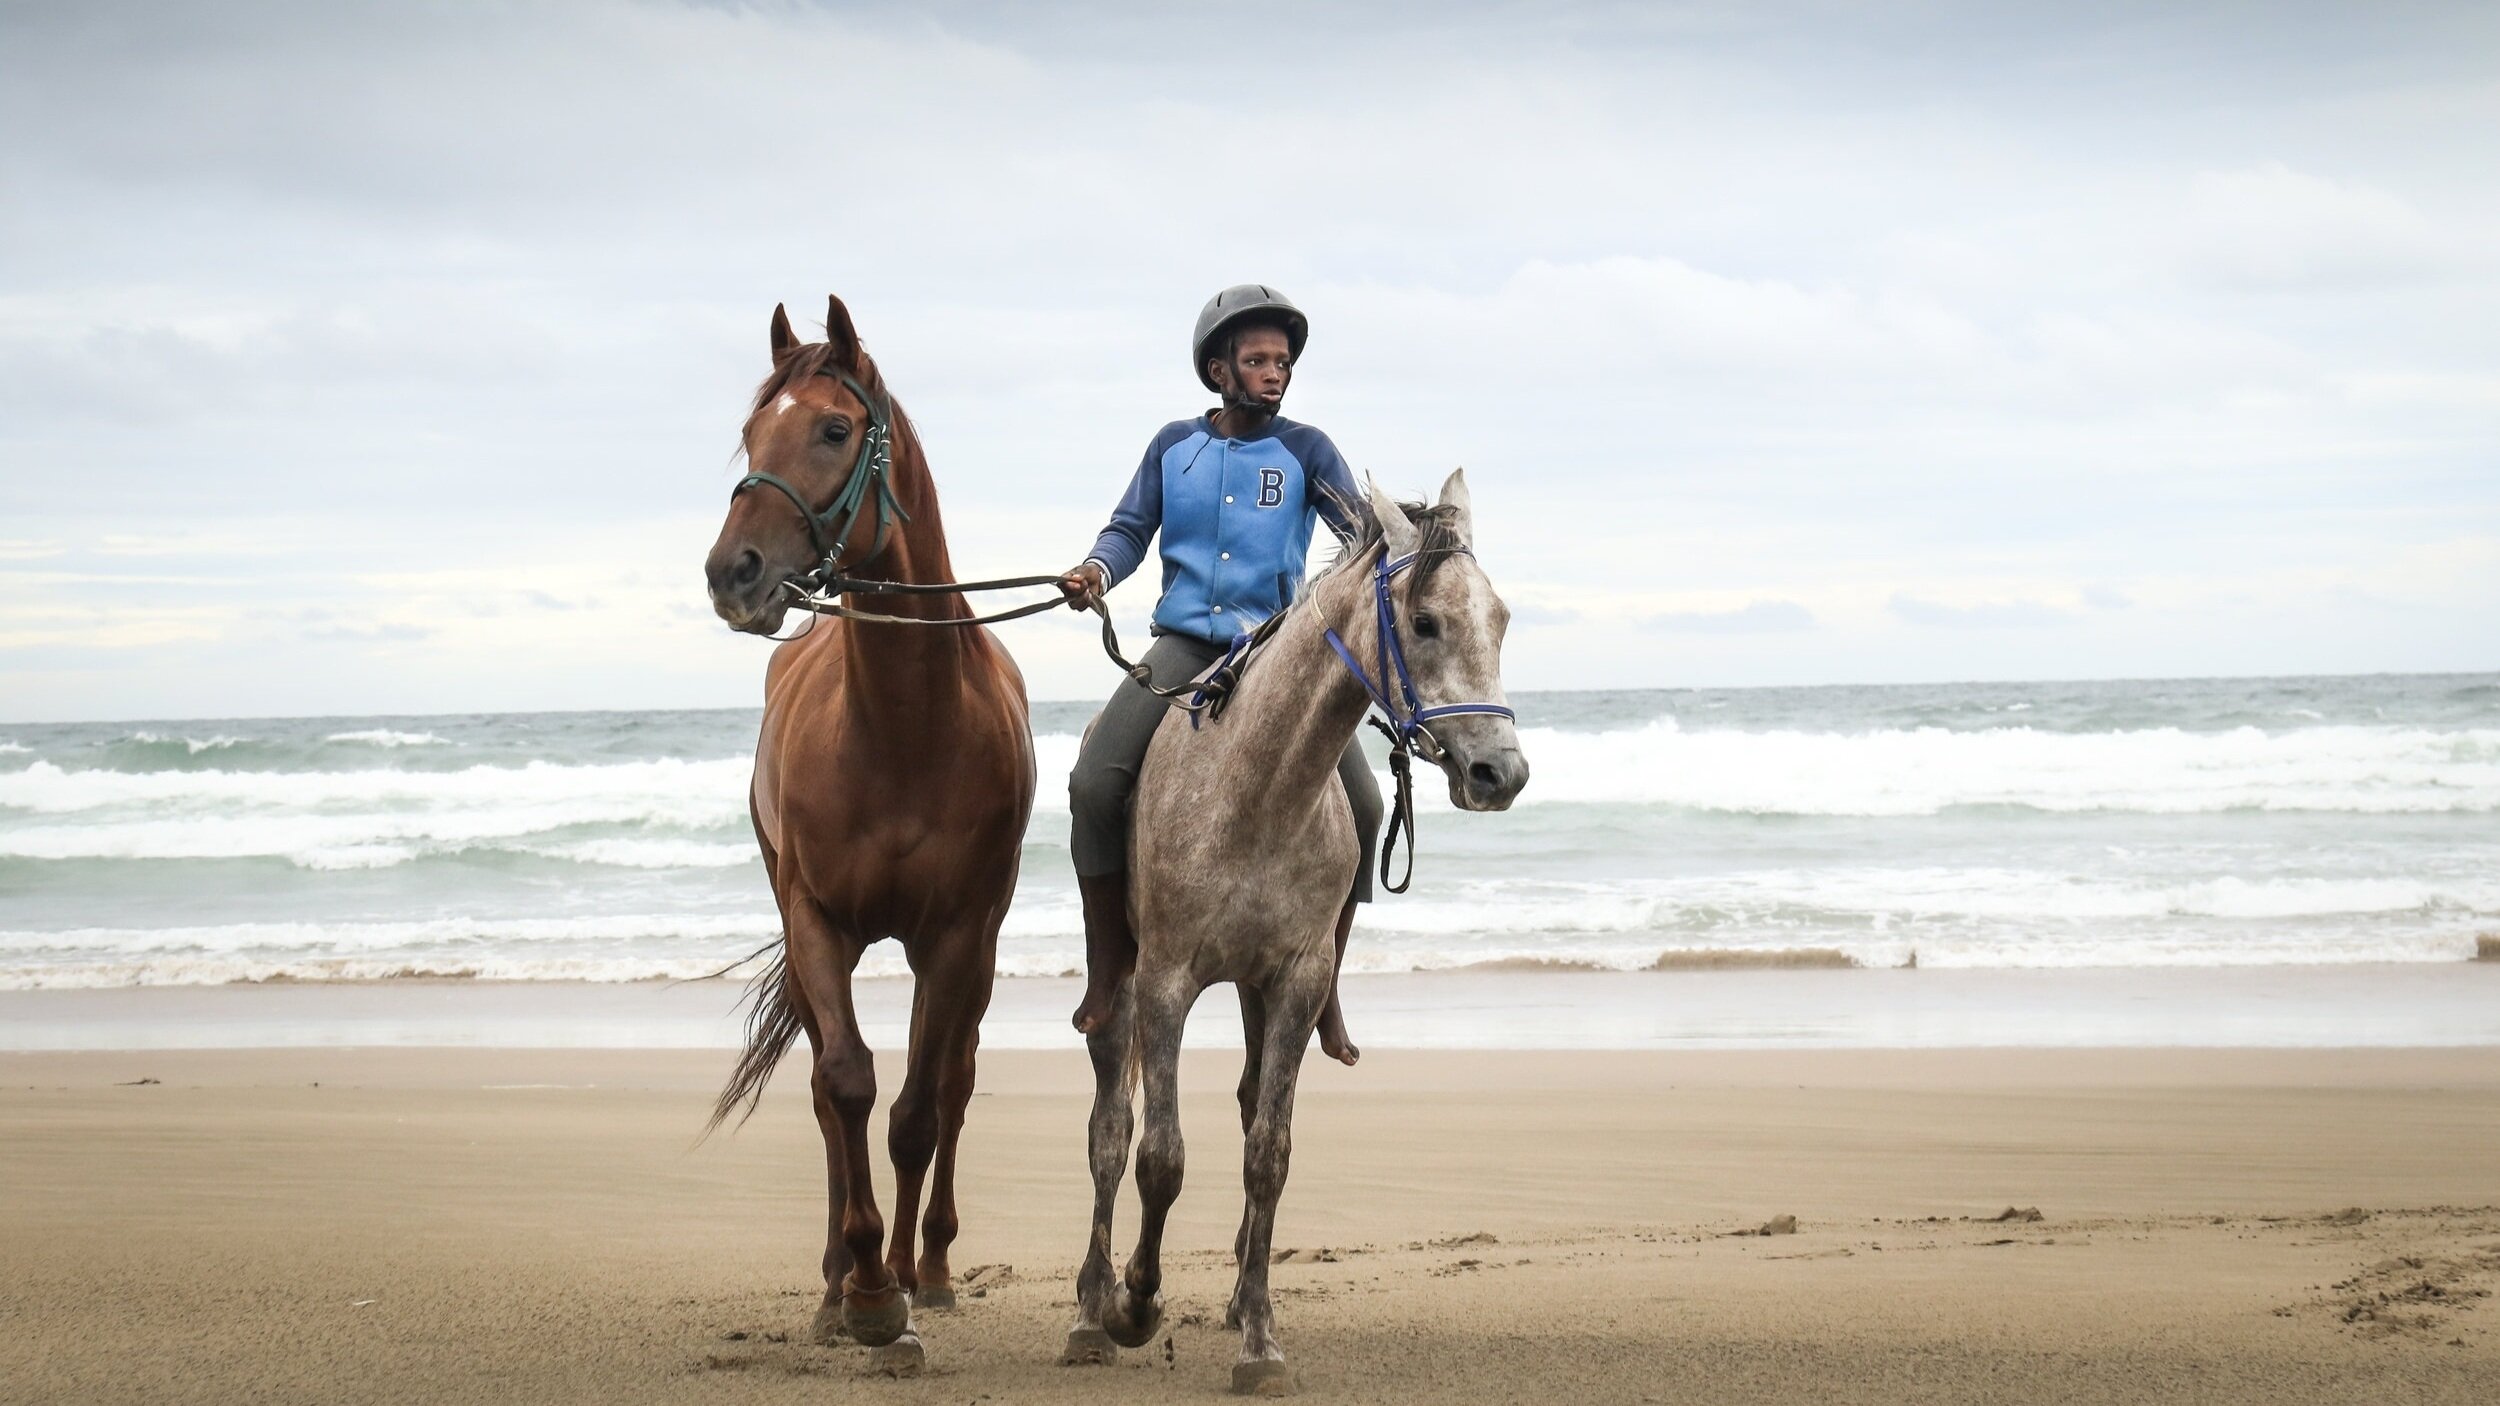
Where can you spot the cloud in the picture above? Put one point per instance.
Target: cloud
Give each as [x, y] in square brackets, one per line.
[2270, 226]
[1752, 618]
[1752, 320]
[1983, 615]
[379, 632]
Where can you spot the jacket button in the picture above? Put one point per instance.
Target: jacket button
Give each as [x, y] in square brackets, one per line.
[1223, 556]
[1216, 609]
[1228, 497]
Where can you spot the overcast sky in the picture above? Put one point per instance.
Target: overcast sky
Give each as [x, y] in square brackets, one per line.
[390, 358]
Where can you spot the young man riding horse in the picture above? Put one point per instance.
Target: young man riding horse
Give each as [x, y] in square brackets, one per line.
[1235, 494]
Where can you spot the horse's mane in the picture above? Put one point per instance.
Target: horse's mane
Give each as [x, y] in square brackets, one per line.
[1437, 526]
[810, 360]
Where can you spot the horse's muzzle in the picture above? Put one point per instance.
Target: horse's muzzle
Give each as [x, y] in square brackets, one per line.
[744, 595]
[1488, 780]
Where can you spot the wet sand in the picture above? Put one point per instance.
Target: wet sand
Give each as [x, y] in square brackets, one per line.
[2375, 1004]
[342, 1225]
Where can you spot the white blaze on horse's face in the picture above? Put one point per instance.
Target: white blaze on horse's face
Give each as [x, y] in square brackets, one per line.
[1451, 623]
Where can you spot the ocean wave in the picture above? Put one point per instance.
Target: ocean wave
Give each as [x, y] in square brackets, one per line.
[1881, 773]
[385, 737]
[652, 854]
[693, 813]
[213, 957]
[1922, 771]
[191, 746]
[666, 788]
[2011, 905]
[1981, 917]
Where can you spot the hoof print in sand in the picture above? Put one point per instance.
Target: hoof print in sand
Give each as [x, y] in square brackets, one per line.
[1263, 1379]
[899, 1358]
[981, 1278]
[1089, 1347]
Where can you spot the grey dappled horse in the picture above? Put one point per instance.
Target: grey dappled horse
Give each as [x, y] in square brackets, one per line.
[1242, 849]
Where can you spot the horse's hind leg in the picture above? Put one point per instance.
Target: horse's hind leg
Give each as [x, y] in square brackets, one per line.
[1106, 1153]
[1267, 1148]
[1163, 1001]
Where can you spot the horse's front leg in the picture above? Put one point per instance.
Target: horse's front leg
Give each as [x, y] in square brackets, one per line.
[1113, 1048]
[950, 989]
[1246, 1093]
[874, 1309]
[1163, 1000]
[957, 1047]
[1293, 1006]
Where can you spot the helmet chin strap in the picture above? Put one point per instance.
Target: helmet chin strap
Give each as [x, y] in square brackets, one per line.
[1241, 402]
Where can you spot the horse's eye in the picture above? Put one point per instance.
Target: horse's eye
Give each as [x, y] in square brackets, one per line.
[1426, 627]
[836, 431]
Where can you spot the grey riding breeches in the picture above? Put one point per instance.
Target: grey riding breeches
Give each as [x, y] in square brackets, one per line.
[1106, 769]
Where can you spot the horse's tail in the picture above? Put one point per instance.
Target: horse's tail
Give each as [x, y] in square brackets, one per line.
[772, 1024]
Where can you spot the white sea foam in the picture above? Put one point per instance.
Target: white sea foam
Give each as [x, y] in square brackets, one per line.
[358, 819]
[193, 745]
[1979, 917]
[1892, 772]
[2383, 853]
[678, 948]
[652, 854]
[14, 749]
[678, 791]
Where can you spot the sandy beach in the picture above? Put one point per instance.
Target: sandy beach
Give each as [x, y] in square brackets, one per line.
[430, 1225]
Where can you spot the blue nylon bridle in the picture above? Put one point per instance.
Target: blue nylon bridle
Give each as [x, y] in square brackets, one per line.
[1402, 715]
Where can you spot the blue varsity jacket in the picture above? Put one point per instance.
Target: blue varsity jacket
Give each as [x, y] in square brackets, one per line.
[1236, 517]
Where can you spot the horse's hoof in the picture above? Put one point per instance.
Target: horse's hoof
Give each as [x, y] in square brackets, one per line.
[1263, 1377]
[1132, 1323]
[937, 1296]
[899, 1358]
[1089, 1347]
[827, 1330]
[875, 1319]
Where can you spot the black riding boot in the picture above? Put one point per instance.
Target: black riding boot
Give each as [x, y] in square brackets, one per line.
[1332, 1037]
[1110, 946]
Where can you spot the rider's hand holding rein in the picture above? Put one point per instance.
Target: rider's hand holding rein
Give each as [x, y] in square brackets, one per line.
[1084, 584]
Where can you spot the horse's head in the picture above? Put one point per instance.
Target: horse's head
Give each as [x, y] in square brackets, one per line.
[811, 433]
[1451, 622]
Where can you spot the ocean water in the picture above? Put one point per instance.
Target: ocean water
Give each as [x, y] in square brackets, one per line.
[2118, 824]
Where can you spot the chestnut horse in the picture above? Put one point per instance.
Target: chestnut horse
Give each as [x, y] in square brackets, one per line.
[893, 777]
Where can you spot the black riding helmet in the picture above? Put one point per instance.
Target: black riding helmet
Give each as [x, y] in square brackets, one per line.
[1245, 302]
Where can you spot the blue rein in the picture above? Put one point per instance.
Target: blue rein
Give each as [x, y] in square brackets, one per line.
[1402, 715]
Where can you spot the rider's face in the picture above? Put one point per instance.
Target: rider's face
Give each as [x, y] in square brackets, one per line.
[1261, 368]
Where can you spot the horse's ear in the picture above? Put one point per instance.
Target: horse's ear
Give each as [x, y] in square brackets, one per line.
[1454, 495]
[838, 332]
[1396, 530]
[784, 340]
